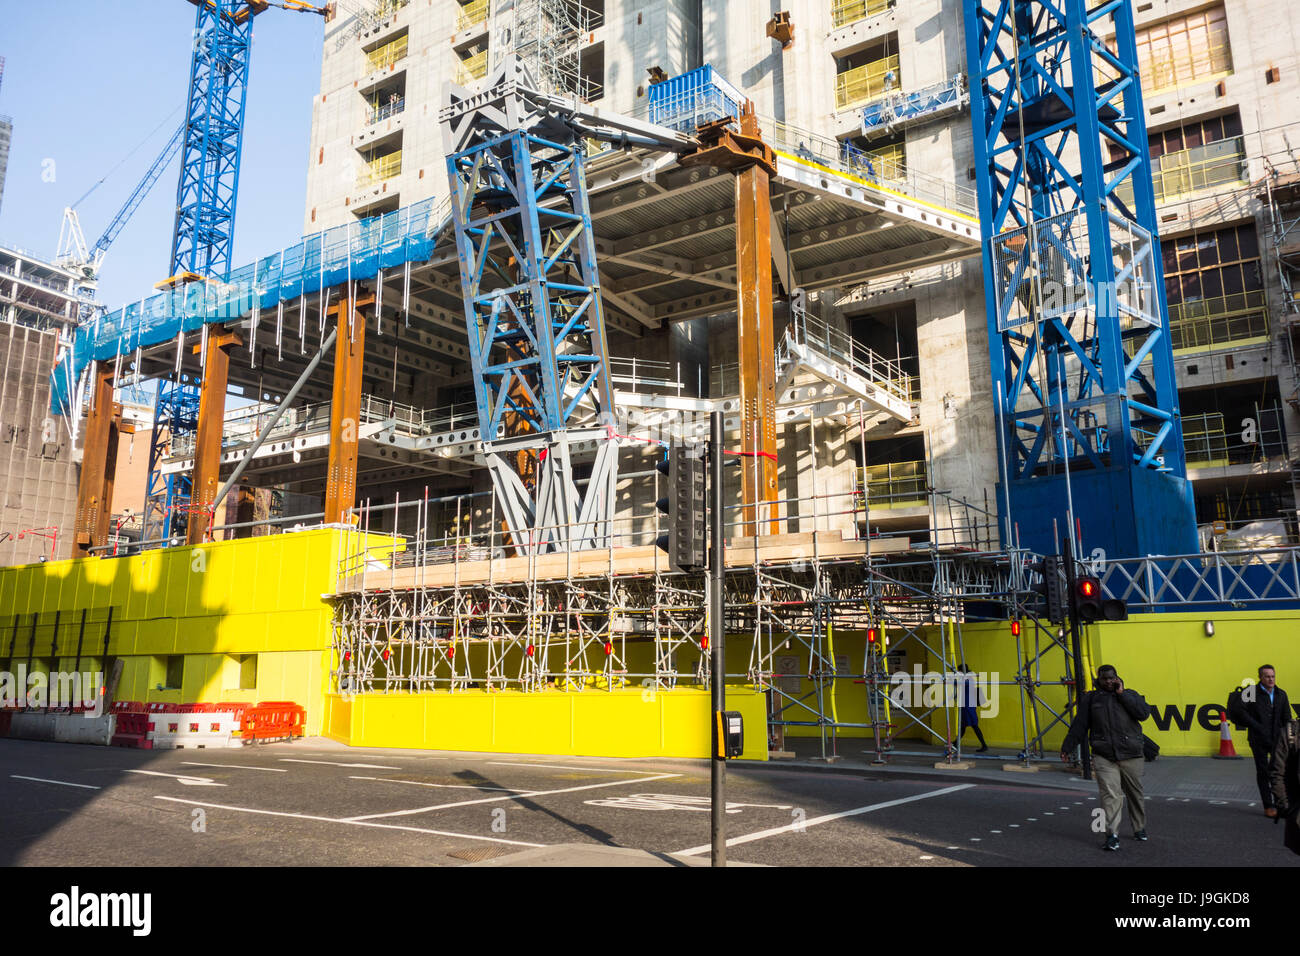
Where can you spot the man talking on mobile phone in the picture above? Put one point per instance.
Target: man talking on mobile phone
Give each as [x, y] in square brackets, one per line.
[1109, 721]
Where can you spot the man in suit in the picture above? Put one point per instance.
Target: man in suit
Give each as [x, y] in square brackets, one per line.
[1266, 710]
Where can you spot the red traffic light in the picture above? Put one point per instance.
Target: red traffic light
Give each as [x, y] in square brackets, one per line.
[1015, 628]
[873, 635]
[1088, 587]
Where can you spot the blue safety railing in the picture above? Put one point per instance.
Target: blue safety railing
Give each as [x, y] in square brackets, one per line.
[354, 251]
[895, 108]
[693, 99]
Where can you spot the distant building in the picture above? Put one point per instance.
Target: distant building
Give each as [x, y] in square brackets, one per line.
[38, 473]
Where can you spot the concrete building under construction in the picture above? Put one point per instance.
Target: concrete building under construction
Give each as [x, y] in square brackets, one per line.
[784, 218]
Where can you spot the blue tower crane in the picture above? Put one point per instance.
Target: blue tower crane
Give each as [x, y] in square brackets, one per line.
[206, 199]
[1088, 425]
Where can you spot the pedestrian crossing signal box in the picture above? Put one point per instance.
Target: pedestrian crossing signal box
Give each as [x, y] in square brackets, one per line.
[731, 734]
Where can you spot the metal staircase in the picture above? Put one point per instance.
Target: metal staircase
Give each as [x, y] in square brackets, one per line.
[855, 371]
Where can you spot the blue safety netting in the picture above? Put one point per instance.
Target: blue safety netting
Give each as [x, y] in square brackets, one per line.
[354, 251]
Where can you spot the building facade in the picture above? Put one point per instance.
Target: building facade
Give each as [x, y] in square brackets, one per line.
[38, 308]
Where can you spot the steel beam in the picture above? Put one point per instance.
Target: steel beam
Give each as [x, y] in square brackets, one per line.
[345, 408]
[207, 443]
[93, 506]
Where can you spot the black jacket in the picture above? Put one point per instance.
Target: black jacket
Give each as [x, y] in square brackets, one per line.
[1265, 719]
[1110, 723]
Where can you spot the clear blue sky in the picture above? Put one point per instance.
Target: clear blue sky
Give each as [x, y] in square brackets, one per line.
[86, 81]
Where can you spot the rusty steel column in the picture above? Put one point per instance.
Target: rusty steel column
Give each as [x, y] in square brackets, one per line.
[207, 442]
[345, 409]
[755, 338]
[753, 164]
[92, 507]
[104, 520]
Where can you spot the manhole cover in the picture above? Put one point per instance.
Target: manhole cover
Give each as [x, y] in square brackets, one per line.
[478, 854]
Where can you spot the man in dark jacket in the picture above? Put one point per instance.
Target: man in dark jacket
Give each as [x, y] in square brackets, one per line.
[1109, 719]
[1284, 775]
[1266, 711]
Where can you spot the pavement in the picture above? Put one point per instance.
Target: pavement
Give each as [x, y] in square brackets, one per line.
[319, 803]
[1207, 778]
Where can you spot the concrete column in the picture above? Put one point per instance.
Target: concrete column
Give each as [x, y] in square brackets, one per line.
[207, 444]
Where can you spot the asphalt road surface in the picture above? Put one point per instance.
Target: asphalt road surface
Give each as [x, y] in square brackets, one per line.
[313, 803]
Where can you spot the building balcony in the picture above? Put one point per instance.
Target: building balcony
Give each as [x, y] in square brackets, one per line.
[388, 55]
[1191, 171]
[378, 112]
[379, 169]
[861, 85]
[1204, 325]
[472, 68]
[1207, 443]
[844, 12]
[473, 14]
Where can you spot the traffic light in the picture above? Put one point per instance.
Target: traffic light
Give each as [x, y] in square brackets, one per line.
[1050, 590]
[1089, 605]
[1087, 599]
[685, 506]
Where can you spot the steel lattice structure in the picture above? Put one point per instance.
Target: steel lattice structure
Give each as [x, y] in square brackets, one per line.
[1079, 342]
[532, 306]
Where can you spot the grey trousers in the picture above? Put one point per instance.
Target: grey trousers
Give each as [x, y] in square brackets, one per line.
[1118, 781]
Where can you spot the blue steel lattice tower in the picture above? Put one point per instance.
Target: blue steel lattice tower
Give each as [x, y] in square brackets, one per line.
[1081, 361]
[533, 310]
[204, 230]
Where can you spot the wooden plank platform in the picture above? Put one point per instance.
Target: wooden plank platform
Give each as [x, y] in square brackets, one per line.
[642, 559]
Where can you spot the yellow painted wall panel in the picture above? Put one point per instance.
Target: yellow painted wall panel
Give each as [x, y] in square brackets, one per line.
[604, 721]
[533, 723]
[338, 719]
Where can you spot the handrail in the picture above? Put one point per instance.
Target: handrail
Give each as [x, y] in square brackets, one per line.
[844, 12]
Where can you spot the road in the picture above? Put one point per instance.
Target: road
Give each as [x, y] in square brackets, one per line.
[315, 803]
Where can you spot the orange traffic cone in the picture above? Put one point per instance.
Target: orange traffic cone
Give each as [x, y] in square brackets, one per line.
[1226, 750]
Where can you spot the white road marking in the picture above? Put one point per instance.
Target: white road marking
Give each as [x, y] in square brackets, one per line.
[975, 839]
[551, 766]
[189, 781]
[803, 825]
[355, 823]
[61, 783]
[513, 796]
[995, 831]
[672, 801]
[927, 858]
[335, 763]
[441, 786]
[232, 766]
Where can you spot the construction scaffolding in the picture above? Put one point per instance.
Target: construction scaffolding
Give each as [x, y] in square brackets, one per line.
[450, 604]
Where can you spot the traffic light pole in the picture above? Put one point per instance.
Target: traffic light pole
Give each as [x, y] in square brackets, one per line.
[1072, 615]
[717, 657]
